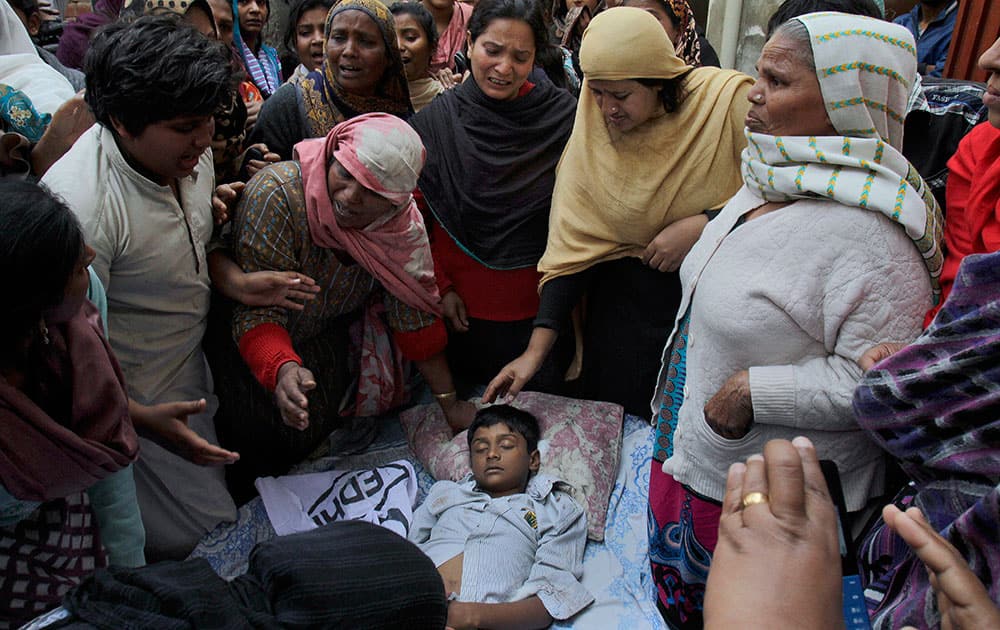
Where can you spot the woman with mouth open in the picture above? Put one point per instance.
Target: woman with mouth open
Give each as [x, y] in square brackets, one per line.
[362, 73]
[418, 40]
[656, 143]
[493, 144]
[343, 214]
[305, 37]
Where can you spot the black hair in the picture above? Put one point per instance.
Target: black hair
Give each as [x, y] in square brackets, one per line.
[547, 56]
[40, 246]
[674, 18]
[671, 90]
[154, 69]
[25, 6]
[517, 420]
[423, 17]
[296, 14]
[794, 8]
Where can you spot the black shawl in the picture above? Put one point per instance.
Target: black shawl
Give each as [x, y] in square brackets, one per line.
[491, 167]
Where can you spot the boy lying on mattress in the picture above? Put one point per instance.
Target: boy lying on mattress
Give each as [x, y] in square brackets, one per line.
[507, 542]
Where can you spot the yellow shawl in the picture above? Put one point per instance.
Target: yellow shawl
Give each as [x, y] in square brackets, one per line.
[615, 192]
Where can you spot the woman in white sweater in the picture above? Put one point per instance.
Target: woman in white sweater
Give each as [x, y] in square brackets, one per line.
[831, 247]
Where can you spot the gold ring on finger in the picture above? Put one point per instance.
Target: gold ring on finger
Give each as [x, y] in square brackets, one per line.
[753, 498]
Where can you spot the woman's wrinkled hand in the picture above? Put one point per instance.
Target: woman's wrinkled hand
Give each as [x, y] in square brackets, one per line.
[224, 201]
[512, 378]
[294, 382]
[879, 353]
[730, 412]
[962, 599]
[667, 250]
[287, 289]
[454, 311]
[783, 554]
[167, 425]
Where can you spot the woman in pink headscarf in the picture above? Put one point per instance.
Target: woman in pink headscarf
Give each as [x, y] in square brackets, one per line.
[342, 213]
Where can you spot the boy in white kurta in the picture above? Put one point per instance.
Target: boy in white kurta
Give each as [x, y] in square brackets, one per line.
[141, 183]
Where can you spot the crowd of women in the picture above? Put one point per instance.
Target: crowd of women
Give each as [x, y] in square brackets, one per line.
[235, 256]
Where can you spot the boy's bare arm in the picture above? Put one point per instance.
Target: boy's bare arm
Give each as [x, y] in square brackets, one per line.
[526, 614]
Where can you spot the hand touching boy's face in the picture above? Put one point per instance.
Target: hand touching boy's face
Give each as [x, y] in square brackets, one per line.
[501, 463]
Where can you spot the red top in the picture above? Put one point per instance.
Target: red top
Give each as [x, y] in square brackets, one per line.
[972, 224]
[490, 294]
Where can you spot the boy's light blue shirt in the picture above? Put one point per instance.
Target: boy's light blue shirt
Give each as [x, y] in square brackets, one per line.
[514, 546]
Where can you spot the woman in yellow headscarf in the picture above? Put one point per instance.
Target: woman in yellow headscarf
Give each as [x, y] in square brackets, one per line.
[656, 144]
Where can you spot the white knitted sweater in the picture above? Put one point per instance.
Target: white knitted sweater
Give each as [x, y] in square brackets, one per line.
[796, 296]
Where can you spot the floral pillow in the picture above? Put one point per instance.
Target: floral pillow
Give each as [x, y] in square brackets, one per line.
[580, 444]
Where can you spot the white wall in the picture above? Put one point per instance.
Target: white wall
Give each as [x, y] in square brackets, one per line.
[738, 26]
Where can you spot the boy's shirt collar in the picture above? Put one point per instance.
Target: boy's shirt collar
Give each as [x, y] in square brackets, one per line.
[540, 485]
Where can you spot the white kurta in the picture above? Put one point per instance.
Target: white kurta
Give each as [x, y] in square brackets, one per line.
[151, 258]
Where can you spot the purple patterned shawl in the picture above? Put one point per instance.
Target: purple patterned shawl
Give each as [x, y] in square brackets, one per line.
[935, 406]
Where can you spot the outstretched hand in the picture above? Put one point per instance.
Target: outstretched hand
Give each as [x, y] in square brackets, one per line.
[962, 599]
[167, 425]
[777, 553]
[512, 378]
